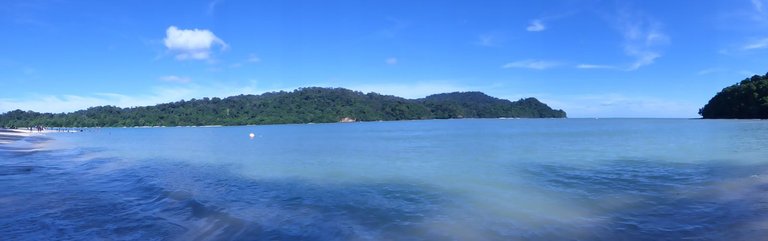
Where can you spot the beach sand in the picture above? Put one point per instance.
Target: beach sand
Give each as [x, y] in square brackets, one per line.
[20, 142]
[8, 136]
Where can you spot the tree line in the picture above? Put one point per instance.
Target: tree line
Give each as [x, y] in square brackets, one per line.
[304, 105]
[747, 99]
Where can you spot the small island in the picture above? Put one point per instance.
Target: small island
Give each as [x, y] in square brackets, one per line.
[747, 99]
[304, 105]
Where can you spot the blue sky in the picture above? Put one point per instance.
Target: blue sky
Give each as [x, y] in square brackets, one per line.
[592, 58]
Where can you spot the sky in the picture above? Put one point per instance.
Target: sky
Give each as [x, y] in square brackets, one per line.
[591, 58]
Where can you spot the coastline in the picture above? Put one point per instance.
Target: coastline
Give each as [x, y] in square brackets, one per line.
[80, 129]
[11, 140]
[8, 136]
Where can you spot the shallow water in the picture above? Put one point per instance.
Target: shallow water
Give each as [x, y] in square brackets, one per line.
[548, 179]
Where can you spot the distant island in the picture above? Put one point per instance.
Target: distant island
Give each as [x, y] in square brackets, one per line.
[304, 105]
[746, 100]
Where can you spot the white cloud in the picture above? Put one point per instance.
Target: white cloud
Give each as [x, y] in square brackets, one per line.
[192, 44]
[760, 15]
[391, 61]
[643, 39]
[642, 58]
[710, 71]
[757, 44]
[531, 64]
[176, 79]
[536, 26]
[594, 66]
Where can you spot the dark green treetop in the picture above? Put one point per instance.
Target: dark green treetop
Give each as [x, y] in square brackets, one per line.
[304, 105]
[747, 99]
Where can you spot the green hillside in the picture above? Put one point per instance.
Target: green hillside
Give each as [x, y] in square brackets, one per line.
[746, 100]
[304, 105]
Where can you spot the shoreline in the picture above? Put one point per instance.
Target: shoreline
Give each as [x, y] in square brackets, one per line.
[12, 141]
[8, 136]
[82, 129]
[78, 129]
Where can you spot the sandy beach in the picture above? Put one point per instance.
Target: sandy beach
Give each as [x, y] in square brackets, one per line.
[11, 141]
[9, 136]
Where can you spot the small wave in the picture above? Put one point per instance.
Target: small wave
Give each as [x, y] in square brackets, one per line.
[642, 200]
[17, 170]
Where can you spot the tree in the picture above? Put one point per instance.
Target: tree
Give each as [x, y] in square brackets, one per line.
[747, 99]
[311, 104]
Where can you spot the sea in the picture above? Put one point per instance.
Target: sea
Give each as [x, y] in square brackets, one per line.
[466, 179]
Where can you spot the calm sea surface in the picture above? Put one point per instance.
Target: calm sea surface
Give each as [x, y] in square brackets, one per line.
[547, 179]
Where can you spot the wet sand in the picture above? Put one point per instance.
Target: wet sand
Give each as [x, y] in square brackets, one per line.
[8, 136]
[20, 142]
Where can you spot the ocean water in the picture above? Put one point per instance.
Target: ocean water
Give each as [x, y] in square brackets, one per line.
[471, 179]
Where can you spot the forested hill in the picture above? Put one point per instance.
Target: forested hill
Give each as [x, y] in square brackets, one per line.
[746, 100]
[304, 105]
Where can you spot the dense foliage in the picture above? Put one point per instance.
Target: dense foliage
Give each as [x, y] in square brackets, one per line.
[745, 100]
[305, 105]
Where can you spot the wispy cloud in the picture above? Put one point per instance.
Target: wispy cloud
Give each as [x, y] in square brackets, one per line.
[759, 14]
[531, 64]
[743, 16]
[391, 61]
[489, 40]
[594, 66]
[710, 71]
[643, 38]
[176, 79]
[745, 19]
[756, 44]
[642, 58]
[194, 44]
[542, 22]
[536, 25]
